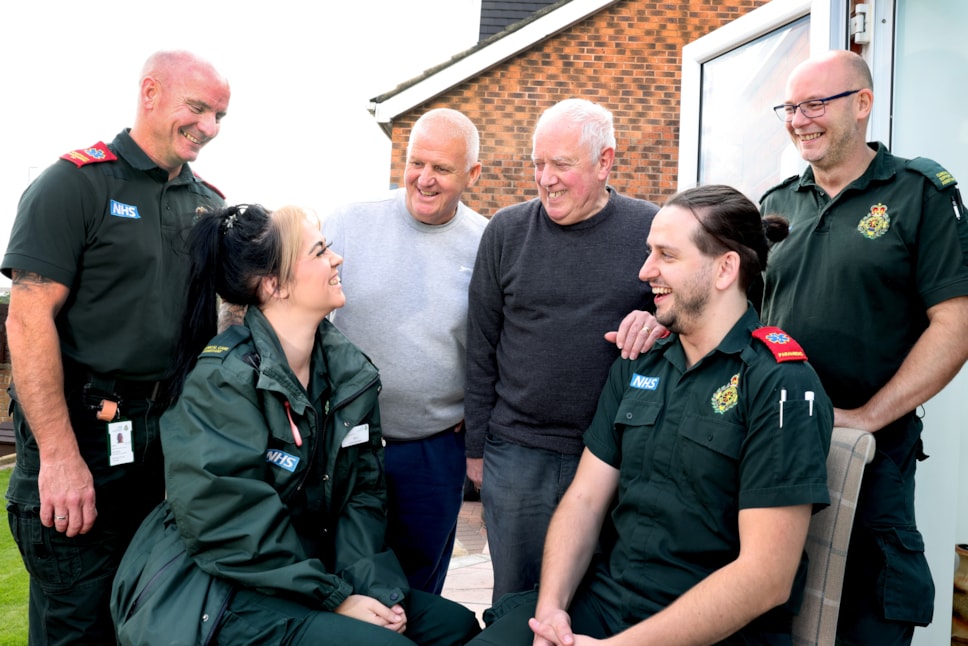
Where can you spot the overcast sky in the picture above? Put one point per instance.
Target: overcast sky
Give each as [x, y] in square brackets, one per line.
[301, 72]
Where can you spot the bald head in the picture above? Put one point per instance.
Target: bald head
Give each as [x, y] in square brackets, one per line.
[840, 65]
[181, 103]
[837, 90]
[161, 64]
[170, 67]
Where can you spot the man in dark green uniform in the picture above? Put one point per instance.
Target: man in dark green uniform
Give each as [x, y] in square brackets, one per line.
[709, 453]
[873, 282]
[99, 271]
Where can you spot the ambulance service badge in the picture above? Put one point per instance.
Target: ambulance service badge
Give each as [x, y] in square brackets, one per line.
[727, 396]
[876, 223]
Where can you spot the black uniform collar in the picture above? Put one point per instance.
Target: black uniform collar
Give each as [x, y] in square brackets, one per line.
[881, 168]
[124, 146]
[735, 342]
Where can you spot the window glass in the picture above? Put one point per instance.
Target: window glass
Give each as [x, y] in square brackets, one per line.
[930, 77]
[741, 141]
[930, 74]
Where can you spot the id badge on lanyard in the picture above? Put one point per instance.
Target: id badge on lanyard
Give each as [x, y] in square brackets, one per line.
[120, 446]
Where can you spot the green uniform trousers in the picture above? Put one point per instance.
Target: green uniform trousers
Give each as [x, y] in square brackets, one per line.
[254, 618]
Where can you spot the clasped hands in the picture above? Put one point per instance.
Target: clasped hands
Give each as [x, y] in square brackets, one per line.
[555, 630]
[372, 611]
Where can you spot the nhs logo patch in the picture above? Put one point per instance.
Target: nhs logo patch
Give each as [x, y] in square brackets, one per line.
[122, 210]
[282, 459]
[644, 383]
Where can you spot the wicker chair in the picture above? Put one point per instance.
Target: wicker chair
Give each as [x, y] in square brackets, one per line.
[850, 451]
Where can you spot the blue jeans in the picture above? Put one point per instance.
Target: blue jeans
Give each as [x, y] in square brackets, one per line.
[520, 491]
[425, 490]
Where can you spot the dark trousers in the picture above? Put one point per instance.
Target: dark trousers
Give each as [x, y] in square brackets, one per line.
[425, 485]
[596, 611]
[70, 578]
[254, 618]
[887, 583]
[507, 622]
[521, 489]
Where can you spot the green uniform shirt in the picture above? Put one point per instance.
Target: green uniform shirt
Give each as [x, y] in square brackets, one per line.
[853, 282]
[854, 278]
[695, 446]
[114, 233]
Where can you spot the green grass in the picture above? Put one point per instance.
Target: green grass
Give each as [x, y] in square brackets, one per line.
[13, 584]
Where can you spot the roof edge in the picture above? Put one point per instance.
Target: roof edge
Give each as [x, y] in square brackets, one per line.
[498, 48]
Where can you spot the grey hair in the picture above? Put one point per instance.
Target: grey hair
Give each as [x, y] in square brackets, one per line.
[597, 125]
[456, 124]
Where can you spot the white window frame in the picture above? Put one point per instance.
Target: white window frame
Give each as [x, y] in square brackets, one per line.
[827, 21]
[879, 55]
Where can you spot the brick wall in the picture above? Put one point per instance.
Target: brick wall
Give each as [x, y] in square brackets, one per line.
[627, 57]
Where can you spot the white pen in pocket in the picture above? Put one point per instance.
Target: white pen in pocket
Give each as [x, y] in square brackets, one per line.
[782, 399]
[809, 397]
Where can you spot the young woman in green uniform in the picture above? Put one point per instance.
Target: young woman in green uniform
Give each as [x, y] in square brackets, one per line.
[273, 528]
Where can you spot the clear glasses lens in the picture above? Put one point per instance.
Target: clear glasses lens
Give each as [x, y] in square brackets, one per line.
[812, 109]
[809, 109]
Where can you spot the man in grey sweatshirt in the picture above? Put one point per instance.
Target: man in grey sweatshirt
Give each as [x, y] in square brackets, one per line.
[408, 263]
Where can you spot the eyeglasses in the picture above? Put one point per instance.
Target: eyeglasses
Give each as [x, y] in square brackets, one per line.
[810, 109]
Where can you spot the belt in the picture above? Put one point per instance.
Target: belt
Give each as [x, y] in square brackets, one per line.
[449, 429]
[127, 389]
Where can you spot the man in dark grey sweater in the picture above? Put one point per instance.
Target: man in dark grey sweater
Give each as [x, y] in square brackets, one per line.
[552, 276]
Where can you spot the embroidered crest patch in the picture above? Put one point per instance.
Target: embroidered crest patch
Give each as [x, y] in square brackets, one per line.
[876, 223]
[781, 344]
[96, 153]
[727, 396]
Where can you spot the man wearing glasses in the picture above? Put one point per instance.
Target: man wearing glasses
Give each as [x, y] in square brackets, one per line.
[873, 282]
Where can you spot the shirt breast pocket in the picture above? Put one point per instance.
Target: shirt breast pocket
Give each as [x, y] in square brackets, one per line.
[635, 422]
[707, 460]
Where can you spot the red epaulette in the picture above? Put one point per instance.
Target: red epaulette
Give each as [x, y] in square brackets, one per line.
[781, 344]
[99, 152]
[211, 186]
